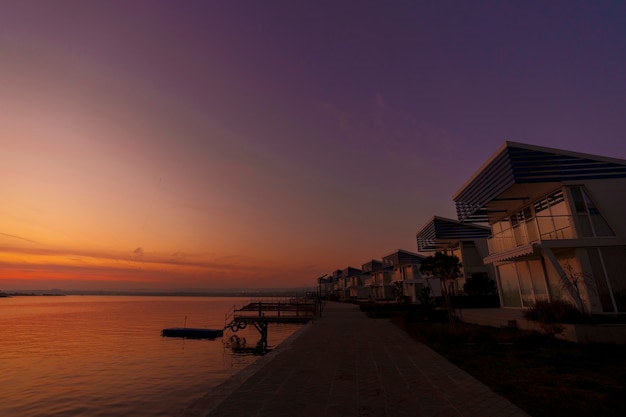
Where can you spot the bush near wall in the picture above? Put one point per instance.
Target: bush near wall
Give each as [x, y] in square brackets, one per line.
[556, 311]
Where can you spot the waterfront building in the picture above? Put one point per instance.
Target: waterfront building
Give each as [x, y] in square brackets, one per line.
[405, 273]
[324, 287]
[382, 288]
[466, 241]
[336, 284]
[558, 229]
[350, 278]
[359, 285]
[374, 278]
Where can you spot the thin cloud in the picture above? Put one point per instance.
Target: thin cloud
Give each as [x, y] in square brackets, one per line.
[18, 237]
[197, 261]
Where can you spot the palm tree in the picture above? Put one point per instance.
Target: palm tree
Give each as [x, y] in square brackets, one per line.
[447, 268]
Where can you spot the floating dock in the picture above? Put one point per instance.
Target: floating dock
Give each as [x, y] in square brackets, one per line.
[191, 333]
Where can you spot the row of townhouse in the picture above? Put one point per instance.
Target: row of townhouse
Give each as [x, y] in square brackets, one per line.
[399, 272]
[396, 274]
[543, 223]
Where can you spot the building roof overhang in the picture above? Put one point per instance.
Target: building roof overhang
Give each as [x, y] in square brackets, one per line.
[439, 233]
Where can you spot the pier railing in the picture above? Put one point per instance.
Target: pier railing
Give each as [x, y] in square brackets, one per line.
[230, 314]
[278, 308]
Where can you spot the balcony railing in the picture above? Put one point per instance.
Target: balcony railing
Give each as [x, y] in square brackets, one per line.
[535, 230]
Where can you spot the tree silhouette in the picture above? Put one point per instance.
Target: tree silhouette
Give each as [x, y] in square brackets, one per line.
[398, 292]
[447, 268]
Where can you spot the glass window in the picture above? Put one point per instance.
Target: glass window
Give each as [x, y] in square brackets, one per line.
[509, 285]
[590, 221]
[546, 227]
[525, 283]
[540, 206]
[555, 198]
[579, 202]
[585, 225]
[557, 204]
[600, 226]
[538, 279]
[615, 264]
[527, 213]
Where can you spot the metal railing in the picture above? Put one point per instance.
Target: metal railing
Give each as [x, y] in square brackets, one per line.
[534, 230]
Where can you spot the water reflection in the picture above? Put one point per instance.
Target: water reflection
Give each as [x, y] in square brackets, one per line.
[104, 355]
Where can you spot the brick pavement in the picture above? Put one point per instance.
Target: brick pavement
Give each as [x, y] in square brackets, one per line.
[346, 365]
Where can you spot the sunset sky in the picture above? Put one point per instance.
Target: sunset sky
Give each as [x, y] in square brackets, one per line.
[205, 144]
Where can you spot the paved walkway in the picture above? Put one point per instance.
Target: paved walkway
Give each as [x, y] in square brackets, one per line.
[346, 365]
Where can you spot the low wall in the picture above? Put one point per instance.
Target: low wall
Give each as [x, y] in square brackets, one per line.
[587, 333]
[577, 333]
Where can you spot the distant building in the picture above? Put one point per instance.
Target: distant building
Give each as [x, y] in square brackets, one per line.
[405, 272]
[336, 287]
[558, 225]
[370, 280]
[349, 276]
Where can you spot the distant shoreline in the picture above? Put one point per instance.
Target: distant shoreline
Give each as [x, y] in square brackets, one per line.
[224, 293]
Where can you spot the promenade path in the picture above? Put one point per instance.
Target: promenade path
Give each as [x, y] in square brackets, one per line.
[346, 365]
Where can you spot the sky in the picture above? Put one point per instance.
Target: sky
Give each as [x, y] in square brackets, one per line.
[261, 144]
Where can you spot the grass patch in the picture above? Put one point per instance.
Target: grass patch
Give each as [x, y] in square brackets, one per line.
[541, 375]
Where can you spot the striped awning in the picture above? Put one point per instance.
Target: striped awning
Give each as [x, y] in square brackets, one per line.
[439, 232]
[511, 254]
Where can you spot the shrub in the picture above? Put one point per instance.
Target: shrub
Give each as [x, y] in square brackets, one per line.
[556, 311]
[480, 284]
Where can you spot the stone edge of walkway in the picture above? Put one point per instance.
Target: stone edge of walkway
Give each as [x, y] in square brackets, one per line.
[203, 406]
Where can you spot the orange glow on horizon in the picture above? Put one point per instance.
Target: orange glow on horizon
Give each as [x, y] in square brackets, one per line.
[141, 270]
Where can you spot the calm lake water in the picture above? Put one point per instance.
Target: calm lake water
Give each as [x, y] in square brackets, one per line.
[104, 355]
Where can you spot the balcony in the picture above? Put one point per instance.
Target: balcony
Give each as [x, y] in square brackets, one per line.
[534, 230]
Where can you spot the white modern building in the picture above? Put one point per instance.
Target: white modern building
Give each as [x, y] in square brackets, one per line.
[558, 225]
[405, 272]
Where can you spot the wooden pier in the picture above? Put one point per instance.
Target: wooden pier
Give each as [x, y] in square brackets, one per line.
[260, 313]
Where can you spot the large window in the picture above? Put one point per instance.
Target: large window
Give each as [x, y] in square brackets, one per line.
[608, 266]
[509, 285]
[550, 218]
[590, 221]
[553, 218]
[523, 283]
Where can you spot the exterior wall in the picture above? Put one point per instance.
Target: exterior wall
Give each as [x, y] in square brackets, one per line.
[413, 290]
[357, 290]
[403, 267]
[435, 286]
[382, 287]
[367, 284]
[327, 287]
[412, 281]
[471, 254]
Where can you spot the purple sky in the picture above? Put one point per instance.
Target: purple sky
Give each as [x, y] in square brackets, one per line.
[203, 144]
